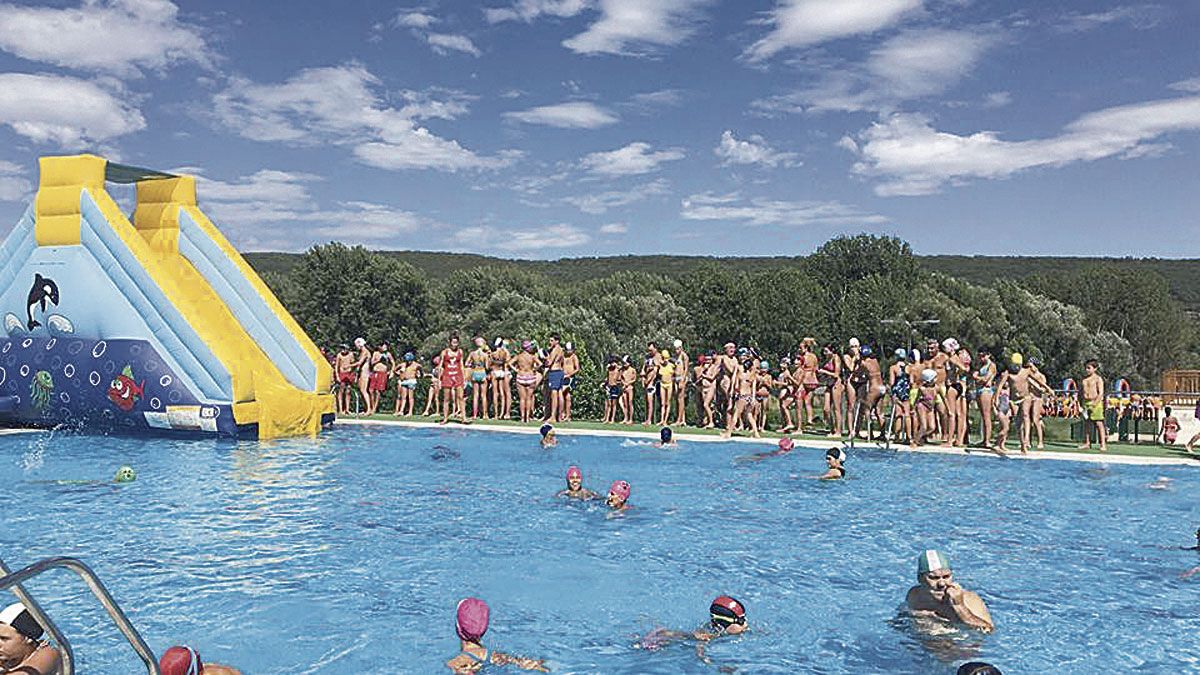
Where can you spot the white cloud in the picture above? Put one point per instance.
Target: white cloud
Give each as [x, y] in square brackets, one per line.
[635, 158]
[13, 184]
[117, 36]
[909, 66]
[443, 43]
[601, 202]
[654, 99]
[1190, 85]
[274, 209]
[760, 211]
[997, 99]
[528, 10]
[521, 241]
[913, 158]
[803, 23]
[338, 105]
[753, 150]
[614, 228]
[1140, 17]
[64, 110]
[415, 19]
[570, 115]
[631, 26]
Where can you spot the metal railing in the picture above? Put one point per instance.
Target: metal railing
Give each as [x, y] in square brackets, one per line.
[15, 579]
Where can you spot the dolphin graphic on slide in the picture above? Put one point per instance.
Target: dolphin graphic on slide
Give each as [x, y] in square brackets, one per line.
[44, 289]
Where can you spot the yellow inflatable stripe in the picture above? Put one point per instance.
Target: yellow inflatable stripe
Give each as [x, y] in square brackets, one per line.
[324, 371]
[56, 206]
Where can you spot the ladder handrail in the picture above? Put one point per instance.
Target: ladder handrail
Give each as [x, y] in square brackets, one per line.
[99, 591]
[66, 653]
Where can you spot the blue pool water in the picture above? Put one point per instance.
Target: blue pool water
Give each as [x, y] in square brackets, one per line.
[348, 553]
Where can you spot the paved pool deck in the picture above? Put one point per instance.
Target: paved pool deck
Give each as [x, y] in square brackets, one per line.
[1118, 453]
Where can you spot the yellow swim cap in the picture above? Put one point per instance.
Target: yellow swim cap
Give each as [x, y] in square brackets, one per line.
[1017, 359]
[666, 354]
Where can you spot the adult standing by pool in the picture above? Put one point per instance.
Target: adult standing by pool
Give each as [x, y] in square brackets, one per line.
[936, 594]
[453, 380]
[1092, 389]
[22, 651]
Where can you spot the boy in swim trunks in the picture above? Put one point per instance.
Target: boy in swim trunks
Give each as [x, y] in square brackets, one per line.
[629, 377]
[407, 372]
[382, 365]
[344, 366]
[613, 390]
[554, 379]
[1093, 406]
[570, 370]
[650, 385]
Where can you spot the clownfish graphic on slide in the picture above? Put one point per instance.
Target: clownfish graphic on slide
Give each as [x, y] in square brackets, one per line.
[44, 290]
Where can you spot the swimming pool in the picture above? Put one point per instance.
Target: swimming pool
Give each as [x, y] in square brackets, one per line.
[349, 552]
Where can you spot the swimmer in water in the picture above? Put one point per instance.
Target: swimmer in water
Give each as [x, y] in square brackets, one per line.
[471, 623]
[785, 446]
[1197, 546]
[666, 438]
[978, 668]
[186, 661]
[726, 617]
[21, 648]
[549, 440]
[618, 496]
[937, 595]
[125, 474]
[575, 489]
[834, 457]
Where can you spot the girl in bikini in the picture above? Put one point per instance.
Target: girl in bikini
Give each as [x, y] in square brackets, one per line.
[527, 365]
[501, 389]
[984, 376]
[829, 375]
[809, 365]
[477, 362]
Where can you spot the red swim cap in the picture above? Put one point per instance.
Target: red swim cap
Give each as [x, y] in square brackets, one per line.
[620, 488]
[472, 620]
[786, 444]
[181, 661]
[574, 472]
[726, 609]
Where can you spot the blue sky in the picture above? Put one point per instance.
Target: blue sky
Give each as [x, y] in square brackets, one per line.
[550, 128]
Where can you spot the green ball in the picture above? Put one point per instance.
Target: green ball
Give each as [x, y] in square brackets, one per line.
[125, 474]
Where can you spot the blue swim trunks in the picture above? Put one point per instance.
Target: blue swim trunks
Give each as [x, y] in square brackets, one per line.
[554, 379]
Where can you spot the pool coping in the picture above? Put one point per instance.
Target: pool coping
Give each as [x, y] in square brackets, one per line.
[1095, 458]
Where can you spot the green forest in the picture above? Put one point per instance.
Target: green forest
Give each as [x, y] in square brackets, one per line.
[1138, 317]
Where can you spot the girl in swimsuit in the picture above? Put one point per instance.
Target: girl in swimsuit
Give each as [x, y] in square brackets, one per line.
[682, 370]
[808, 378]
[452, 382]
[650, 385]
[743, 405]
[433, 398]
[787, 394]
[829, 376]
[983, 377]
[471, 624]
[477, 361]
[501, 389]
[527, 365]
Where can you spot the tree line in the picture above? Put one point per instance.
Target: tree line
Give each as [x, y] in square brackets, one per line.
[866, 286]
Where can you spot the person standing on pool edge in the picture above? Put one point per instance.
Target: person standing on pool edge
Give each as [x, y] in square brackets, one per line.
[453, 381]
[471, 623]
[554, 379]
[575, 489]
[570, 370]
[1092, 389]
[936, 594]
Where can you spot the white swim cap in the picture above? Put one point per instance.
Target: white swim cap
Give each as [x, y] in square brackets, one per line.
[677, 343]
[928, 375]
[854, 342]
[360, 343]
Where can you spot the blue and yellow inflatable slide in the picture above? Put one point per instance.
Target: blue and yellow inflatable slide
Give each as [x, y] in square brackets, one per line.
[154, 325]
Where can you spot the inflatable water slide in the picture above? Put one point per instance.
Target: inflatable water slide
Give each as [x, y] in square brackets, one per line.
[149, 325]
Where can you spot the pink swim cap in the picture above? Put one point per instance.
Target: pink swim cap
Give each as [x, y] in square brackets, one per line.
[472, 620]
[786, 444]
[574, 472]
[620, 488]
[180, 661]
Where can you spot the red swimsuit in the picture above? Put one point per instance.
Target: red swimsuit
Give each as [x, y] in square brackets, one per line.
[452, 371]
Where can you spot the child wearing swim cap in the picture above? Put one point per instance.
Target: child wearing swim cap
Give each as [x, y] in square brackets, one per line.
[181, 660]
[666, 438]
[471, 623]
[834, 457]
[549, 440]
[726, 617]
[21, 647]
[618, 495]
[575, 489]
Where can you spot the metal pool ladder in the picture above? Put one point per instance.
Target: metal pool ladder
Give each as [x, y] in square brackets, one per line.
[14, 580]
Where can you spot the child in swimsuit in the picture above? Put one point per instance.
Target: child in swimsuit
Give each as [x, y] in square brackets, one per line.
[471, 623]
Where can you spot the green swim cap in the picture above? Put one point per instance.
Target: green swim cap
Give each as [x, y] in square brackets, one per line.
[125, 474]
[931, 561]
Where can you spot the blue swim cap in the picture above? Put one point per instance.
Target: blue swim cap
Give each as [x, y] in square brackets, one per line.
[546, 428]
[866, 350]
[764, 365]
[901, 354]
[408, 356]
[664, 434]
